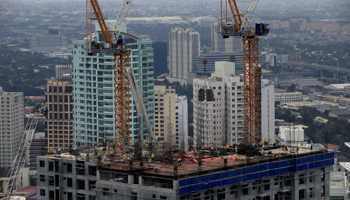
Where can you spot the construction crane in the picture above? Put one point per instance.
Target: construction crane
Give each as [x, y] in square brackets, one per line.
[114, 44]
[20, 159]
[240, 28]
[140, 106]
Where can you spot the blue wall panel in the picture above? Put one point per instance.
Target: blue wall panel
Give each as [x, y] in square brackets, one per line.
[251, 173]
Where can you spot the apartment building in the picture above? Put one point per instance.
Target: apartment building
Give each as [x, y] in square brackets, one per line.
[218, 108]
[184, 46]
[11, 125]
[93, 92]
[171, 117]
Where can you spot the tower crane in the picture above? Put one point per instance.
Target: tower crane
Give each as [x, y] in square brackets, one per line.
[114, 44]
[252, 93]
[26, 141]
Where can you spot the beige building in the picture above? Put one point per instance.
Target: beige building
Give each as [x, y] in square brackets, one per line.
[336, 99]
[59, 122]
[164, 113]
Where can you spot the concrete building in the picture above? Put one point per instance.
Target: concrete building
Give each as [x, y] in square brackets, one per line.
[184, 46]
[164, 114]
[285, 176]
[288, 97]
[94, 91]
[181, 119]
[267, 110]
[228, 45]
[11, 125]
[59, 101]
[171, 117]
[218, 109]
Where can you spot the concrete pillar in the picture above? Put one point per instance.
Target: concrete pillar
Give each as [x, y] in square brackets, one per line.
[326, 182]
[130, 179]
[140, 180]
[321, 74]
[294, 186]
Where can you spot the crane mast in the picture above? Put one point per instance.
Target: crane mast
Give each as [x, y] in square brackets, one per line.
[116, 46]
[251, 71]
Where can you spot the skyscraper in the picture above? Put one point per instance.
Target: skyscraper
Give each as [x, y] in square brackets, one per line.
[93, 92]
[11, 125]
[218, 108]
[184, 46]
[228, 45]
[59, 101]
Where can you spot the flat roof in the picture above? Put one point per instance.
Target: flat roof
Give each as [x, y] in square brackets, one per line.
[192, 163]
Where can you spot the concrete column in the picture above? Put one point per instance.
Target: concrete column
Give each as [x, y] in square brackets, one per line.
[295, 187]
[140, 180]
[317, 180]
[321, 74]
[326, 182]
[130, 179]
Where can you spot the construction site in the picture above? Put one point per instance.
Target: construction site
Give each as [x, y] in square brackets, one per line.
[271, 172]
[119, 167]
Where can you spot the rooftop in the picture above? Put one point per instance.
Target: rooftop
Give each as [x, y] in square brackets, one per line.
[190, 163]
[341, 112]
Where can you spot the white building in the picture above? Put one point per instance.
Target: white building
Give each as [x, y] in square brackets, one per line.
[184, 46]
[288, 96]
[228, 45]
[218, 108]
[181, 123]
[11, 125]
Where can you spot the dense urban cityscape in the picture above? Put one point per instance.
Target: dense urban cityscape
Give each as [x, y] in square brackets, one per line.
[154, 99]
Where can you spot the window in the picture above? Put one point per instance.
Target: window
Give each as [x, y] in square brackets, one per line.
[42, 163]
[50, 166]
[105, 192]
[51, 180]
[163, 197]
[42, 192]
[301, 194]
[42, 178]
[69, 182]
[311, 192]
[69, 167]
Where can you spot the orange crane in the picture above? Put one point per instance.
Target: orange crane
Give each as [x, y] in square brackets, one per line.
[252, 88]
[115, 45]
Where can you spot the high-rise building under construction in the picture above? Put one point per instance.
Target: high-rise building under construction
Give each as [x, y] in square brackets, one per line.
[93, 92]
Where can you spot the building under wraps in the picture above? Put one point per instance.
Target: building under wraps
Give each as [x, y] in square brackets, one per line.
[276, 174]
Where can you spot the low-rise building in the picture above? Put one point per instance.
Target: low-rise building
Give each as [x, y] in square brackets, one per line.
[288, 97]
